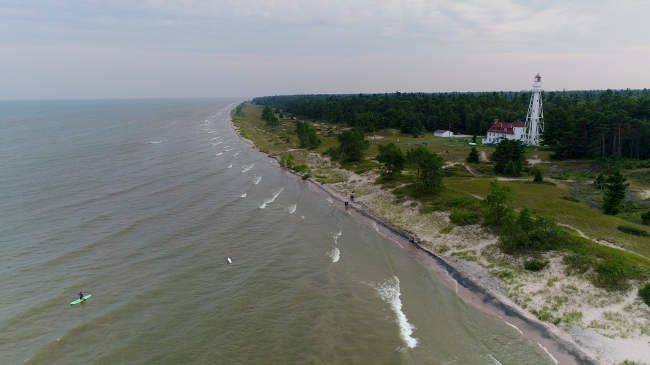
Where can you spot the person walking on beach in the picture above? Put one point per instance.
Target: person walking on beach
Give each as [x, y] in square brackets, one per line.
[352, 198]
[346, 205]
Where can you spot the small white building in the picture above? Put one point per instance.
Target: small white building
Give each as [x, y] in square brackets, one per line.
[501, 130]
[443, 133]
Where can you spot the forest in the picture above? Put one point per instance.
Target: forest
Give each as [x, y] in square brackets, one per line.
[578, 124]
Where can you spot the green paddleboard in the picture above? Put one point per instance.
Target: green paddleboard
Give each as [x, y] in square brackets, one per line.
[80, 300]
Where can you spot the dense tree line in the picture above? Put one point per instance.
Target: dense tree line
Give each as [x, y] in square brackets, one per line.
[578, 124]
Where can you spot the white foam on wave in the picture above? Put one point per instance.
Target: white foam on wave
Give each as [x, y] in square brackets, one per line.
[226, 146]
[230, 166]
[154, 142]
[336, 236]
[248, 167]
[243, 195]
[330, 200]
[257, 179]
[389, 292]
[548, 353]
[515, 327]
[496, 362]
[335, 254]
[212, 139]
[228, 150]
[214, 144]
[291, 208]
[236, 153]
[271, 199]
[217, 154]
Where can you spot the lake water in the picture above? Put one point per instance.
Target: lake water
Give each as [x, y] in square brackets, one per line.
[140, 203]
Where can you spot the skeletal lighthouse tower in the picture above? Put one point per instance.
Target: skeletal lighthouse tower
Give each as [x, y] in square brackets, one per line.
[535, 116]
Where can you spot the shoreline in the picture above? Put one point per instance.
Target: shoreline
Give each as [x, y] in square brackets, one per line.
[470, 285]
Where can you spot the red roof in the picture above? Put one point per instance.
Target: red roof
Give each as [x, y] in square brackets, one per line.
[519, 124]
[538, 76]
[498, 127]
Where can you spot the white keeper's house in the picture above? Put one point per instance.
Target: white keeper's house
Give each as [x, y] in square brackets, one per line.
[501, 130]
[443, 133]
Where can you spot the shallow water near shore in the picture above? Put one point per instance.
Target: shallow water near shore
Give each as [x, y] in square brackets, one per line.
[141, 203]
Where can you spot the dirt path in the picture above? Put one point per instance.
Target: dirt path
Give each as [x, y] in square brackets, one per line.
[600, 242]
[483, 157]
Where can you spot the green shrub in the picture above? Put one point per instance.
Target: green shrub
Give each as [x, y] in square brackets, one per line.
[544, 314]
[334, 152]
[300, 168]
[564, 175]
[613, 275]
[527, 233]
[633, 230]
[463, 217]
[505, 274]
[644, 293]
[362, 170]
[460, 202]
[571, 199]
[645, 217]
[578, 263]
[535, 265]
[572, 317]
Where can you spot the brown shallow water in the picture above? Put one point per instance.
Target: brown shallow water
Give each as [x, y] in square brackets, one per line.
[140, 203]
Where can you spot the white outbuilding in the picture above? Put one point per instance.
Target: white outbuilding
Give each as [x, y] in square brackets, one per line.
[443, 133]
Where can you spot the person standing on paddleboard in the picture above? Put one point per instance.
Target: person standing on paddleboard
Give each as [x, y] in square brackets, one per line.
[81, 296]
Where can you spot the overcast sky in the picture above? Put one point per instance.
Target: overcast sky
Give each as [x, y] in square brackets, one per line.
[53, 49]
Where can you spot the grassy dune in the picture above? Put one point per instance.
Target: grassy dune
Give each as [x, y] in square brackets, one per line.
[541, 198]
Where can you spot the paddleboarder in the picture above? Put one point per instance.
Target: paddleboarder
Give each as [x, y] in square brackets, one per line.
[81, 296]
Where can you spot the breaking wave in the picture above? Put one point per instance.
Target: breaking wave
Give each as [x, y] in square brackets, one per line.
[257, 179]
[248, 167]
[389, 292]
[291, 208]
[335, 254]
[272, 199]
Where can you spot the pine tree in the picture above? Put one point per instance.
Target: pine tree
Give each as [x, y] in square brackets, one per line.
[392, 158]
[473, 156]
[518, 167]
[645, 217]
[496, 201]
[502, 155]
[614, 193]
[510, 169]
[600, 181]
[538, 175]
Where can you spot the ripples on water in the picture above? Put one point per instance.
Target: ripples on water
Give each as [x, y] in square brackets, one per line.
[147, 228]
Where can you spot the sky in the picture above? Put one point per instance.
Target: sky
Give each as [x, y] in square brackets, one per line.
[86, 49]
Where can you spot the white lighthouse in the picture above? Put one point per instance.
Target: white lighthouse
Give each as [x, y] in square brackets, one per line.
[535, 116]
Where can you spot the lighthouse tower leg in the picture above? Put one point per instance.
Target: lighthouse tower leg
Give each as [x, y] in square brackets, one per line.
[535, 116]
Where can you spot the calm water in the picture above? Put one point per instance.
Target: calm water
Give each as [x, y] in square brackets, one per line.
[140, 203]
